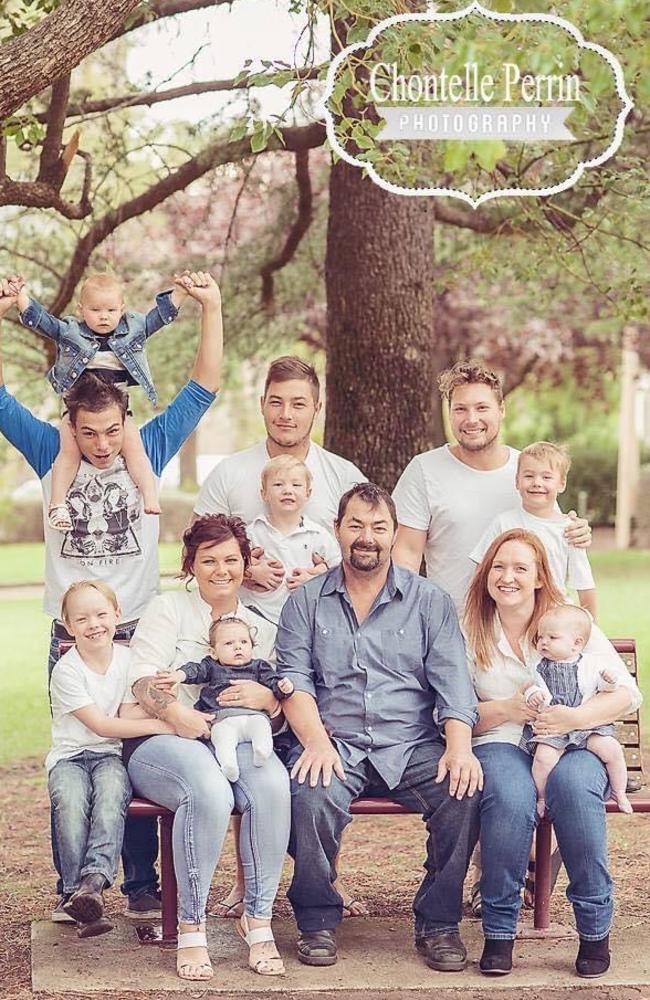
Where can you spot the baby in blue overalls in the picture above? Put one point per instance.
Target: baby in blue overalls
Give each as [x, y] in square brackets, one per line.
[568, 676]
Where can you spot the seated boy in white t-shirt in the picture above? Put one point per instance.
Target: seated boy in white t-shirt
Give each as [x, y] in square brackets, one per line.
[88, 784]
[542, 471]
[302, 546]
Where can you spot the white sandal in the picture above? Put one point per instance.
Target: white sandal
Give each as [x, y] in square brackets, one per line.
[202, 970]
[58, 517]
[263, 966]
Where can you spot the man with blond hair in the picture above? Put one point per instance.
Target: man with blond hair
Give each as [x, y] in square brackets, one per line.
[447, 497]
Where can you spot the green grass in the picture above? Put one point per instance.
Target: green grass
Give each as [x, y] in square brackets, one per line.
[623, 596]
[25, 562]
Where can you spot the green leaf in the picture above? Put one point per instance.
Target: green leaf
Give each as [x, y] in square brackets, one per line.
[238, 131]
[456, 156]
[489, 153]
[258, 142]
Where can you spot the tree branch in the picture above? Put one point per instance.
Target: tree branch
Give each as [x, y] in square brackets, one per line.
[36, 194]
[298, 229]
[148, 97]
[50, 166]
[58, 43]
[155, 10]
[216, 154]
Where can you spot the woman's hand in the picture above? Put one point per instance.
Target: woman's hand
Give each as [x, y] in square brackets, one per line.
[248, 694]
[518, 709]
[557, 720]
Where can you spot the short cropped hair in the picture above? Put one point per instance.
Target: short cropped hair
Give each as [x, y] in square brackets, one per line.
[97, 585]
[213, 529]
[556, 455]
[468, 373]
[284, 463]
[92, 393]
[230, 620]
[101, 280]
[289, 367]
[570, 616]
[371, 494]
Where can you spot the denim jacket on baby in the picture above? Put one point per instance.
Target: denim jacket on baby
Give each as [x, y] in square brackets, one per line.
[76, 344]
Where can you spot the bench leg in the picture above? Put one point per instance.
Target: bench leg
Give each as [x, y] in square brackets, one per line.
[543, 875]
[169, 890]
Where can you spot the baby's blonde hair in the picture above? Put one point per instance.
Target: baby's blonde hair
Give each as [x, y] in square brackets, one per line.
[284, 463]
[97, 585]
[570, 615]
[556, 455]
[102, 280]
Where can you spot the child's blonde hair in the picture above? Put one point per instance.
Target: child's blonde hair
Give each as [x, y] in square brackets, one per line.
[97, 585]
[570, 615]
[284, 463]
[556, 455]
[230, 620]
[102, 280]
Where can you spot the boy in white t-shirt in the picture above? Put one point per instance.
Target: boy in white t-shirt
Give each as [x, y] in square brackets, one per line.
[88, 784]
[304, 547]
[542, 470]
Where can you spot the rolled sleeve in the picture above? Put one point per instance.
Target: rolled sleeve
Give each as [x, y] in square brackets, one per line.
[166, 307]
[294, 643]
[446, 666]
[36, 317]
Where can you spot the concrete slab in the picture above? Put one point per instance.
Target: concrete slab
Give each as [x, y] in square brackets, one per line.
[374, 954]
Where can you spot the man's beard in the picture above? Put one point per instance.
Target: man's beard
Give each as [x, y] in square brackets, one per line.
[479, 445]
[362, 564]
[294, 442]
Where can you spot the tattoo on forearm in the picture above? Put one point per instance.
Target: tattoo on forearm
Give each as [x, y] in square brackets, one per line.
[152, 699]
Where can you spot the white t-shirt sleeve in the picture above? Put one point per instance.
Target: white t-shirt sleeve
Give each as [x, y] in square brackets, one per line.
[68, 690]
[153, 646]
[411, 498]
[213, 495]
[493, 530]
[579, 575]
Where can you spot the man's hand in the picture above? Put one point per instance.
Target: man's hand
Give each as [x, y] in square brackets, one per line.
[318, 760]
[248, 694]
[464, 770]
[263, 574]
[556, 720]
[203, 288]
[188, 722]
[578, 532]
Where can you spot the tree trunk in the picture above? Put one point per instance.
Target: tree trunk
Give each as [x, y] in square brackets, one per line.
[382, 401]
[187, 464]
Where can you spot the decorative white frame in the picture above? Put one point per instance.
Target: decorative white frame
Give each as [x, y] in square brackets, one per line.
[478, 8]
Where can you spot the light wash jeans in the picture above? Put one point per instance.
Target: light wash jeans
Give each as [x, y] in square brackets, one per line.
[575, 799]
[90, 794]
[184, 776]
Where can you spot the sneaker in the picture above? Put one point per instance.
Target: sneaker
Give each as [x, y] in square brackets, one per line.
[59, 916]
[145, 906]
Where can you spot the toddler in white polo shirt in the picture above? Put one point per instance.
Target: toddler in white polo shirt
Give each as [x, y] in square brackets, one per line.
[304, 547]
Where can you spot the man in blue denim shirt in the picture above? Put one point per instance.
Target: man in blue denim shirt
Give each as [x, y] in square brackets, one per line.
[379, 668]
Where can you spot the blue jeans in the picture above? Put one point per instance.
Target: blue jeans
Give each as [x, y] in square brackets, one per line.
[319, 815]
[90, 794]
[576, 803]
[508, 817]
[184, 776]
[140, 846]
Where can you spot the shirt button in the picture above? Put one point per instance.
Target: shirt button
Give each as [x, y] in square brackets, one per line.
[369, 729]
[324, 631]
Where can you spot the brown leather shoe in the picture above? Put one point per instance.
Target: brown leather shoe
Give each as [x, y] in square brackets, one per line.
[87, 904]
[317, 947]
[444, 952]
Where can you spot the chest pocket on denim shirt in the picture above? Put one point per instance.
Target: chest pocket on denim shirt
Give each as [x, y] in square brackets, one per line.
[402, 655]
[332, 653]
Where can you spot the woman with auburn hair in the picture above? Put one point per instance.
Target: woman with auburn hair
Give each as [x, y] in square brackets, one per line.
[511, 590]
[183, 774]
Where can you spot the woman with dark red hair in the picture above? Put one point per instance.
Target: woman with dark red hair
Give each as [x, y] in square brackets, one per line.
[181, 772]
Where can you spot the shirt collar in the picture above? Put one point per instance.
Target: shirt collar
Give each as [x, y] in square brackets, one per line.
[530, 655]
[394, 586]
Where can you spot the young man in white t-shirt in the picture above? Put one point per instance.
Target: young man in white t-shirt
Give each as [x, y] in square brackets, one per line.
[542, 471]
[446, 497]
[289, 405]
[286, 534]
